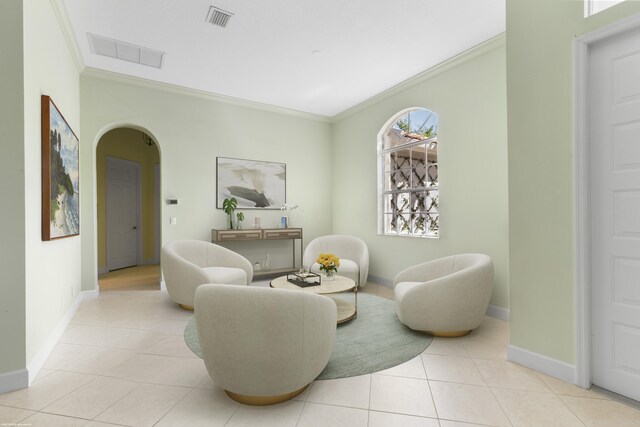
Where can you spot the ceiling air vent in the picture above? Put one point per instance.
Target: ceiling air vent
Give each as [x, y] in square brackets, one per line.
[125, 51]
[218, 17]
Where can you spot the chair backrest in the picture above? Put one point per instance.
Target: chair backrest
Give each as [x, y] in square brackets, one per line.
[343, 246]
[203, 254]
[440, 267]
[262, 341]
[463, 261]
[194, 251]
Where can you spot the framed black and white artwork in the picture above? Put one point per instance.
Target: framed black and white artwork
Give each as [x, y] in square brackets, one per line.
[254, 184]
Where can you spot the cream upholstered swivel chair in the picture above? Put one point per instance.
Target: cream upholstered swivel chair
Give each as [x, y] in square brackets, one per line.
[263, 345]
[187, 264]
[352, 251]
[445, 297]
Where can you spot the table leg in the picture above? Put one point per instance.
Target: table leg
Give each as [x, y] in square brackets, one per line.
[356, 297]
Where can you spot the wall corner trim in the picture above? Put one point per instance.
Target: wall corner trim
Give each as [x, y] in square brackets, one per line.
[62, 15]
[95, 73]
[498, 312]
[541, 363]
[14, 380]
[473, 52]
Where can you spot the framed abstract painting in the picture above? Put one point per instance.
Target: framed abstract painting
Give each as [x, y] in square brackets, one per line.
[60, 175]
[254, 184]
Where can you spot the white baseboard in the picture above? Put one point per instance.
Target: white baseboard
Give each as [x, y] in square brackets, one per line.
[36, 363]
[14, 380]
[387, 283]
[538, 362]
[91, 295]
[498, 312]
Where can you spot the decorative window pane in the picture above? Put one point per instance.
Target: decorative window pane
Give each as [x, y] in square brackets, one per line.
[591, 7]
[408, 187]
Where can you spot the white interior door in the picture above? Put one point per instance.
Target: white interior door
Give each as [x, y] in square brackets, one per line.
[614, 89]
[122, 212]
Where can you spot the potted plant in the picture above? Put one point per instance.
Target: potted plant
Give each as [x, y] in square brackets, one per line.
[228, 206]
[240, 217]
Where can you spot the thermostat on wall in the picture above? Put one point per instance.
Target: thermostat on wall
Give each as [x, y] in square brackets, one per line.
[172, 201]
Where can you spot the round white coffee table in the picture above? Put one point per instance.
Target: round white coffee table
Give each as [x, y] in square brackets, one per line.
[346, 310]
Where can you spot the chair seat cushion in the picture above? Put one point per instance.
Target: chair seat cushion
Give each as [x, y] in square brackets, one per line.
[226, 275]
[347, 268]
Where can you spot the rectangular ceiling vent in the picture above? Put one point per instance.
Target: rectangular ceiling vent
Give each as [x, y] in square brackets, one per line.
[218, 17]
[125, 51]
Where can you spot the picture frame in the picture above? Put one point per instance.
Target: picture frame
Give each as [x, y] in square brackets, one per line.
[60, 174]
[255, 184]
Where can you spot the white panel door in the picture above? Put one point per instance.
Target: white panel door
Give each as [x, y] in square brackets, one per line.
[614, 90]
[122, 213]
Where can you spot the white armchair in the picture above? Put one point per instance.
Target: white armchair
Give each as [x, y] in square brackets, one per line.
[187, 264]
[447, 296]
[352, 251]
[262, 345]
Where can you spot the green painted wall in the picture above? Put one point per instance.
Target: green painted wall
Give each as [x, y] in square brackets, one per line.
[191, 131]
[12, 226]
[41, 280]
[52, 268]
[126, 143]
[470, 99]
[540, 37]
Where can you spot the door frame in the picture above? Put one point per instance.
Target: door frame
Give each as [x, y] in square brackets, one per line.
[157, 210]
[582, 191]
[138, 167]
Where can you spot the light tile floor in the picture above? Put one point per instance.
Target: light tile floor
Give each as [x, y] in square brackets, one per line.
[123, 361]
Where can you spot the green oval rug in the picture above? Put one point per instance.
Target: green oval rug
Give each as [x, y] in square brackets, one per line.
[376, 340]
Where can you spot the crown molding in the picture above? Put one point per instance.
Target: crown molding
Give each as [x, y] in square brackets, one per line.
[67, 30]
[181, 90]
[478, 50]
[481, 49]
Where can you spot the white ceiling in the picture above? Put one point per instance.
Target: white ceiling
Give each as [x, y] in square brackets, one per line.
[265, 52]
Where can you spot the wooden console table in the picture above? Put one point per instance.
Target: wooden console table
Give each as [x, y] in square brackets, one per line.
[218, 236]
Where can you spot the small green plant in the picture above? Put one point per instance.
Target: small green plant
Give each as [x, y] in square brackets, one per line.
[228, 206]
[240, 217]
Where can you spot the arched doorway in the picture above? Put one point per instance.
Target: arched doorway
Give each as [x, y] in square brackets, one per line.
[128, 210]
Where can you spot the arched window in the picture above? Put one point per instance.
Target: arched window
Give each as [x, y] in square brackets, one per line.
[408, 175]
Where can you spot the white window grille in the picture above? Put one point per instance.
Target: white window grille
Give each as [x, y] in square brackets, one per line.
[408, 175]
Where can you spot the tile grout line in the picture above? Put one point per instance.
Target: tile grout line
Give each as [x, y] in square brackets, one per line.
[126, 394]
[433, 401]
[61, 397]
[304, 405]
[369, 402]
[174, 405]
[506, 415]
[558, 396]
